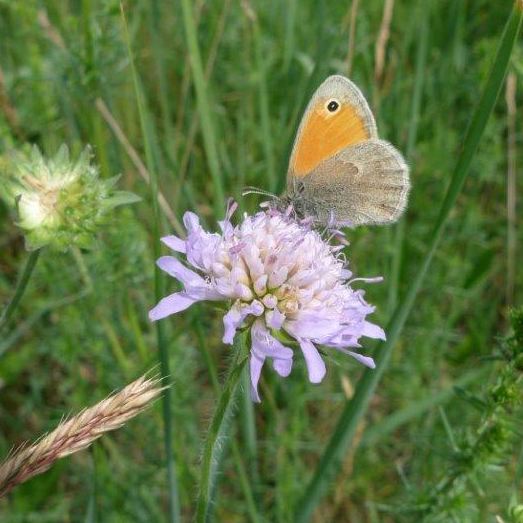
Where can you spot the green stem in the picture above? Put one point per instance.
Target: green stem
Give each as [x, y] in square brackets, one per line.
[21, 285]
[207, 123]
[249, 427]
[355, 409]
[218, 430]
[174, 515]
[397, 259]
[238, 457]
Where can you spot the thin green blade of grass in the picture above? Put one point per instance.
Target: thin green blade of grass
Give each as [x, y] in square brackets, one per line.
[418, 407]
[94, 85]
[174, 503]
[248, 426]
[263, 94]
[399, 237]
[354, 410]
[154, 17]
[289, 9]
[21, 285]
[204, 108]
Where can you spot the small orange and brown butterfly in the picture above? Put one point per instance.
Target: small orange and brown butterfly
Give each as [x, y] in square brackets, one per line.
[340, 172]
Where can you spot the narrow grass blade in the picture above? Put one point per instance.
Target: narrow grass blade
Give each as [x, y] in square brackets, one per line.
[290, 9]
[21, 285]
[512, 233]
[419, 407]
[174, 503]
[159, 54]
[356, 408]
[248, 426]
[263, 94]
[204, 107]
[399, 237]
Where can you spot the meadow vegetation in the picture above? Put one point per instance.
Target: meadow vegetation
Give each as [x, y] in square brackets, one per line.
[192, 102]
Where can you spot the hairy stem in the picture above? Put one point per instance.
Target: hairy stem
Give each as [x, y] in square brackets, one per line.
[217, 434]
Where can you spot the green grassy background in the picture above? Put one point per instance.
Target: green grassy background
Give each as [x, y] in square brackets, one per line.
[82, 329]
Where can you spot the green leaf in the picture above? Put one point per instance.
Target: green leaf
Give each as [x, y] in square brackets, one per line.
[121, 198]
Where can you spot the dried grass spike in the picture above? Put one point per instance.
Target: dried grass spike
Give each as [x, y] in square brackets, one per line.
[78, 432]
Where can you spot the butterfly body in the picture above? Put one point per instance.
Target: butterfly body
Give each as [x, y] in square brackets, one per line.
[340, 172]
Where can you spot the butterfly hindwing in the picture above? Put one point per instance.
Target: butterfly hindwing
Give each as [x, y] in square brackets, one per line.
[366, 183]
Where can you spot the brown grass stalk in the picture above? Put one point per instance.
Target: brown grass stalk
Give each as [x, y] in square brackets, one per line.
[352, 35]
[8, 109]
[383, 38]
[137, 162]
[78, 432]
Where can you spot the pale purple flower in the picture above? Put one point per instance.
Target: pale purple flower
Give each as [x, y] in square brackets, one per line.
[283, 281]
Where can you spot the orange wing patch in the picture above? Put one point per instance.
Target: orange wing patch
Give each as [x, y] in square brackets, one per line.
[325, 135]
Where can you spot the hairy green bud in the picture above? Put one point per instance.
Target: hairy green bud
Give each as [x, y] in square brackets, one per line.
[59, 202]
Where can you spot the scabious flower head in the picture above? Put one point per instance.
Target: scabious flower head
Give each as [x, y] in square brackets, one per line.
[284, 282]
[60, 202]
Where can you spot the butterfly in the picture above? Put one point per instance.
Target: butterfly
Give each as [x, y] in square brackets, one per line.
[340, 173]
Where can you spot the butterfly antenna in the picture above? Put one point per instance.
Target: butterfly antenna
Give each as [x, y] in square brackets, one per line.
[255, 190]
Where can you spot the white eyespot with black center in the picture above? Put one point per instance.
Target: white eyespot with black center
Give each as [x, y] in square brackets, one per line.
[333, 105]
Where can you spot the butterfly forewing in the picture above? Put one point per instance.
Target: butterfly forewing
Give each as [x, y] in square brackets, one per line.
[323, 133]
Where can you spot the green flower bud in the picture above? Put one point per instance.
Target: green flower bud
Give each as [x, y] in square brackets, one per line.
[516, 513]
[59, 202]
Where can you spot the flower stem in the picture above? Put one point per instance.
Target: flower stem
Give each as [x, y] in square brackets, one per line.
[248, 483]
[218, 430]
[21, 284]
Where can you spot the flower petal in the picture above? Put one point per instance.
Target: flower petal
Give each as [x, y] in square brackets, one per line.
[203, 292]
[260, 285]
[191, 221]
[195, 285]
[277, 277]
[373, 331]
[175, 268]
[235, 317]
[365, 360]
[172, 304]
[263, 344]
[255, 365]
[310, 326]
[274, 319]
[314, 361]
[266, 346]
[282, 367]
[174, 243]
[231, 321]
